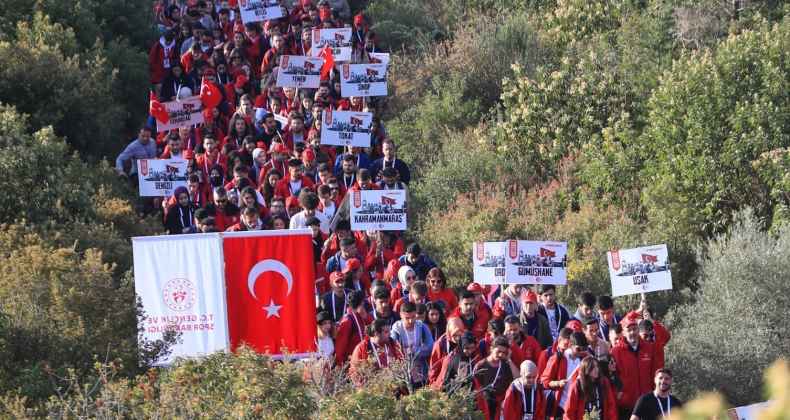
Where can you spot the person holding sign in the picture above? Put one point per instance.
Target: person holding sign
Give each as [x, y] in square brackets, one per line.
[533, 324]
[142, 148]
[525, 399]
[658, 402]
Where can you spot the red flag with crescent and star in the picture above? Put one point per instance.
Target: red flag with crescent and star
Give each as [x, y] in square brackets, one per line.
[329, 61]
[157, 110]
[270, 291]
[209, 94]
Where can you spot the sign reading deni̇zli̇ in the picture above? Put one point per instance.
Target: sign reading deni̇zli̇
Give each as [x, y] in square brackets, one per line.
[160, 177]
[183, 112]
[339, 41]
[378, 209]
[488, 259]
[639, 270]
[259, 10]
[299, 72]
[536, 262]
[363, 80]
[346, 128]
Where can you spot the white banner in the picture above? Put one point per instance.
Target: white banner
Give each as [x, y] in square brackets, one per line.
[160, 177]
[381, 58]
[639, 270]
[300, 72]
[363, 80]
[749, 412]
[184, 112]
[346, 128]
[489, 262]
[378, 210]
[180, 281]
[339, 41]
[258, 11]
[536, 262]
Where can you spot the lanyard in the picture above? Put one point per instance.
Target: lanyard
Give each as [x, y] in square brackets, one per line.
[353, 180]
[197, 198]
[207, 162]
[386, 353]
[359, 330]
[660, 407]
[597, 400]
[524, 399]
[182, 217]
[497, 374]
[148, 152]
[345, 296]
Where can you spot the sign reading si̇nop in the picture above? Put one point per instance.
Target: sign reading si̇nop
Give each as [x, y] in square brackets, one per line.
[378, 210]
[639, 270]
[363, 80]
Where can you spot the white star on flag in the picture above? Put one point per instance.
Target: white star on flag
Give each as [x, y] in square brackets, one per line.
[272, 309]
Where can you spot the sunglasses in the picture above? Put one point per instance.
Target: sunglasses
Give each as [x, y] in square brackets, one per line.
[221, 201]
[411, 278]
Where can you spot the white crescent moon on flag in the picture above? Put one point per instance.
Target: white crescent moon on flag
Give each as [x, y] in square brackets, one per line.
[269, 265]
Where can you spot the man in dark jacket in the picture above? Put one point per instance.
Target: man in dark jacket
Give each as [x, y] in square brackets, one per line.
[533, 324]
[418, 261]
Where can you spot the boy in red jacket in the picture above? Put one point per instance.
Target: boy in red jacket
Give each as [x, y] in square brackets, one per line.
[351, 329]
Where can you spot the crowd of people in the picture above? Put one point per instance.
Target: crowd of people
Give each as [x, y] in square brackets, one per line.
[257, 163]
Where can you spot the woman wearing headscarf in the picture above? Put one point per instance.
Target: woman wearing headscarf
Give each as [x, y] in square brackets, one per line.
[258, 160]
[525, 397]
[181, 216]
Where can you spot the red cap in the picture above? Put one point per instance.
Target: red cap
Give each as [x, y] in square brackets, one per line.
[208, 114]
[528, 296]
[291, 201]
[392, 267]
[210, 72]
[352, 264]
[305, 3]
[240, 81]
[359, 20]
[192, 4]
[280, 148]
[575, 325]
[474, 287]
[308, 155]
[188, 154]
[239, 28]
[248, 119]
[631, 319]
[335, 276]
[324, 14]
[305, 16]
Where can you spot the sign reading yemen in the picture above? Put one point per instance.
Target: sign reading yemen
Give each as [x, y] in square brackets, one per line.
[378, 209]
[160, 177]
[488, 259]
[346, 128]
[299, 72]
[639, 270]
[258, 11]
[536, 262]
[364, 80]
[184, 112]
[339, 41]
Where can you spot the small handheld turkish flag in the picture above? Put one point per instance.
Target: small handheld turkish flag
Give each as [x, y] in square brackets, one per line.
[270, 291]
[157, 110]
[329, 61]
[209, 94]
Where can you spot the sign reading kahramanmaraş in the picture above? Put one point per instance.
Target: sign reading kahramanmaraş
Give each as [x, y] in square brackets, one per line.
[299, 72]
[378, 210]
[536, 262]
[639, 270]
[346, 128]
[160, 177]
[363, 80]
[339, 41]
[184, 112]
[259, 10]
[489, 262]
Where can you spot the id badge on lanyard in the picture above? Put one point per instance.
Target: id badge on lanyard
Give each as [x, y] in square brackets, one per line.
[527, 417]
[166, 63]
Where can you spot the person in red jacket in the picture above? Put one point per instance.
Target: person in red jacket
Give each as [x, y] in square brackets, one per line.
[474, 320]
[558, 375]
[525, 397]
[163, 54]
[528, 346]
[225, 214]
[442, 347]
[291, 185]
[439, 290]
[508, 302]
[378, 257]
[332, 245]
[379, 346]
[351, 329]
[457, 371]
[496, 328]
[590, 391]
[637, 360]
[608, 368]
[212, 156]
[559, 346]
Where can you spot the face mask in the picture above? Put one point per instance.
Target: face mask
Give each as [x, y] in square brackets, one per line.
[216, 180]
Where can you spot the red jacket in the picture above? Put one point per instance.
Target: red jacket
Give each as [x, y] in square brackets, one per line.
[386, 354]
[157, 60]
[543, 358]
[441, 348]
[271, 164]
[205, 162]
[378, 264]
[661, 333]
[283, 188]
[447, 296]
[481, 322]
[531, 349]
[556, 370]
[348, 335]
[484, 349]
[223, 218]
[512, 406]
[356, 187]
[575, 403]
[334, 247]
[268, 57]
[637, 369]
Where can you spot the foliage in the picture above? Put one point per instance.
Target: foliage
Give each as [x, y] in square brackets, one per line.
[742, 282]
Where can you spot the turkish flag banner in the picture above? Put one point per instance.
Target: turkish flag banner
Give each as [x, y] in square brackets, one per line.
[157, 110]
[270, 290]
[210, 94]
[329, 61]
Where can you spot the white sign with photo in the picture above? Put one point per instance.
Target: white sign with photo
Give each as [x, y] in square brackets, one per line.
[300, 72]
[363, 80]
[184, 112]
[259, 10]
[536, 262]
[639, 270]
[378, 210]
[339, 41]
[160, 177]
[488, 259]
[346, 128]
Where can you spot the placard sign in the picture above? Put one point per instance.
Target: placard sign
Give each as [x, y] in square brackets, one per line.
[488, 259]
[536, 262]
[639, 270]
